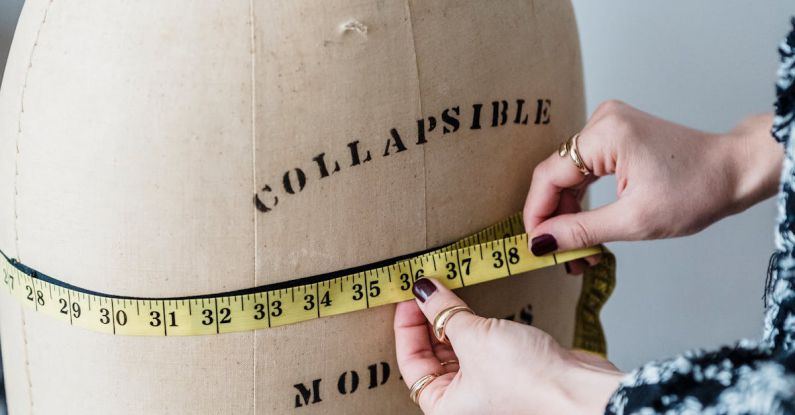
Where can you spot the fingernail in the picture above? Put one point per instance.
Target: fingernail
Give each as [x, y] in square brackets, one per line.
[568, 268]
[423, 288]
[543, 244]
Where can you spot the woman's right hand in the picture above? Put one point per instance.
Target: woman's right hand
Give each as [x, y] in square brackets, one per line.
[672, 180]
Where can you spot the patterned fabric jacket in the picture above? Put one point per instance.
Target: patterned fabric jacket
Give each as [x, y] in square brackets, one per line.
[752, 376]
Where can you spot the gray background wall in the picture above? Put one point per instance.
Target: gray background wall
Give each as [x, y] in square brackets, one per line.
[704, 64]
[9, 12]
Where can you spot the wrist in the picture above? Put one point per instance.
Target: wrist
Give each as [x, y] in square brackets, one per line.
[586, 389]
[752, 159]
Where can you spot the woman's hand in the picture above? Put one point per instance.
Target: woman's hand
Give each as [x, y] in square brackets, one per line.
[672, 180]
[504, 367]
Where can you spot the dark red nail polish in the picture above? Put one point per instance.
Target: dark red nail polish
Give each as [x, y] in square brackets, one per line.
[568, 267]
[543, 244]
[423, 288]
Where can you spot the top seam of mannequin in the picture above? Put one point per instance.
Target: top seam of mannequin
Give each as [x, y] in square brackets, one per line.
[419, 96]
[16, 191]
[253, 53]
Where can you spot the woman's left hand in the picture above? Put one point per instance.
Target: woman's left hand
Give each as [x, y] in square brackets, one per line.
[503, 367]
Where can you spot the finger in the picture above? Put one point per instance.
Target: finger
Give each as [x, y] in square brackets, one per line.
[593, 259]
[580, 230]
[415, 355]
[443, 351]
[551, 177]
[570, 203]
[576, 267]
[433, 298]
[446, 357]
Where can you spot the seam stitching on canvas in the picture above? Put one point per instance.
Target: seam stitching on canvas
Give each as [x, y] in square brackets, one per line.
[16, 193]
[253, 52]
[27, 360]
[419, 95]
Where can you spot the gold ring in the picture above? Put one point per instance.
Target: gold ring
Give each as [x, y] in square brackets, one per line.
[418, 386]
[563, 150]
[449, 362]
[440, 322]
[570, 148]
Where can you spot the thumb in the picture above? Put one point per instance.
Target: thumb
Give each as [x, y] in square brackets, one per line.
[461, 329]
[583, 229]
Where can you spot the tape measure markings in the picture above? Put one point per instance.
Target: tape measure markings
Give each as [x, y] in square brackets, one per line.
[499, 251]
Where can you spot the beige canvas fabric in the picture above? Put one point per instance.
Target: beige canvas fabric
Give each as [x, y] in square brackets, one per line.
[171, 148]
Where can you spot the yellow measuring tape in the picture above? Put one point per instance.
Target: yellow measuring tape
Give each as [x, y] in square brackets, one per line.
[497, 252]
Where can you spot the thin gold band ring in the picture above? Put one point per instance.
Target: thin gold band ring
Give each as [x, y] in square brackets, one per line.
[418, 386]
[440, 322]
